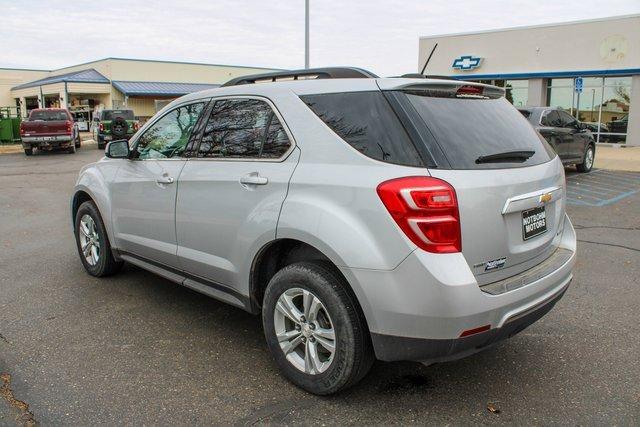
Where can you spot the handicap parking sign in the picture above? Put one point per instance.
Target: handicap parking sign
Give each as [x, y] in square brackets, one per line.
[578, 84]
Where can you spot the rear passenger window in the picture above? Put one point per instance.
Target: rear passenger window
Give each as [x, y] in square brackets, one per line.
[243, 128]
[550, 119]
[367, 123]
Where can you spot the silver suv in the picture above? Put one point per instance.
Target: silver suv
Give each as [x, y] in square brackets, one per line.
[362, 217]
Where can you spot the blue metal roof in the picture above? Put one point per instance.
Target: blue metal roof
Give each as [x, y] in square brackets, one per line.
[83, 76]
[160, 88]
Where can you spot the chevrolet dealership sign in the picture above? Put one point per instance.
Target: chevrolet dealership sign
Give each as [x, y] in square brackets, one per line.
[466, 62]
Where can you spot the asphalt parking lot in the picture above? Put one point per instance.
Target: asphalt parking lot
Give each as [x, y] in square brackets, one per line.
[136, 348]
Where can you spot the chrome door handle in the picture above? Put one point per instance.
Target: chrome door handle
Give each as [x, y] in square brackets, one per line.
[254, 178]
[165, 179]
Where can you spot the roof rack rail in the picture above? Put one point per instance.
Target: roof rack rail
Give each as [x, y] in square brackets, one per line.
[318, 73]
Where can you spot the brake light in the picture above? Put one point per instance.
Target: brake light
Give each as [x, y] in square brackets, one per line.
[101, 127]
[22, 131]
[426, 210]
[69, 125]
[135, 126]
[470, 90]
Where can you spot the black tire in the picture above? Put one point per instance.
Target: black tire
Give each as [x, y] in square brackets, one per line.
[353, 355]
[586, 166]
[78, 141]
[72, 148]
[107, 264]
[28, 151]
[101, 144]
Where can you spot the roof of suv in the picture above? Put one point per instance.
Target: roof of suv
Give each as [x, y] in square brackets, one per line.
[317, 86]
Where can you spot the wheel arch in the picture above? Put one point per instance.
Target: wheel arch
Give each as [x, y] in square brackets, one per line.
[83, 194]
[279, 253]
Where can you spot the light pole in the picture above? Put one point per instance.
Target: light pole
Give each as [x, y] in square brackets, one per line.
[306, 34]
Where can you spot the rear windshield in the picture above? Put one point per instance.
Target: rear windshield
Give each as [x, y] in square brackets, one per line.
[366, 121]
[48, 115]
[526, 113]
[112, 114]
[468, 130]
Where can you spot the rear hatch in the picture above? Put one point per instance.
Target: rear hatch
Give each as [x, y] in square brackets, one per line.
[508, 184]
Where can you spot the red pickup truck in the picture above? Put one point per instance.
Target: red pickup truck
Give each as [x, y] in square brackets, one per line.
[48, 129]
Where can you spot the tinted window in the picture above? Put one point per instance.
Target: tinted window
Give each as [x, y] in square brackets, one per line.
[466, 129]
[48, 115]
[168, 136]
[550, 118]
[112, 114]
[243, 128]
[566, 119]
[276, 142]
[367, 123]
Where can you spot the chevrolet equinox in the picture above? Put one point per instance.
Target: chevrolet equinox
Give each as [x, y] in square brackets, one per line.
[393, 218]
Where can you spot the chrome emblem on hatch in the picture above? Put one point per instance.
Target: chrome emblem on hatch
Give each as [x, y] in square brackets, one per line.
[545, 198]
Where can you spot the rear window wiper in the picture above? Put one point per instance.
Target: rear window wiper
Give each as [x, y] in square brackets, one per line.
[506, 157]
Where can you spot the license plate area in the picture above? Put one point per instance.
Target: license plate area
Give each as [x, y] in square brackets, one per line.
[534, 222]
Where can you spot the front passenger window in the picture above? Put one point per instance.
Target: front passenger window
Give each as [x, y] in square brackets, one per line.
[168, 137]
[567, 119]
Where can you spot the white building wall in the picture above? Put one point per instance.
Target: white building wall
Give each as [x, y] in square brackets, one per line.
[606, 44]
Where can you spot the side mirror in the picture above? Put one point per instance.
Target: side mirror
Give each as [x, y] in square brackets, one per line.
[117, 149]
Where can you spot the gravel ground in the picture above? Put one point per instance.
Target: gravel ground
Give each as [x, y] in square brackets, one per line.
[136, 348]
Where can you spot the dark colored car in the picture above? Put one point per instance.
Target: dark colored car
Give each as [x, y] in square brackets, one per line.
[111, 125]
[618, 126]
[49, 129]
[570, 138]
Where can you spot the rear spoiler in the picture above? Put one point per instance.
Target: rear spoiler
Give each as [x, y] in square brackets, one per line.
[444, 88]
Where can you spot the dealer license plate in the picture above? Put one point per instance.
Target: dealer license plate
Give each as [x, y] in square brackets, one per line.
[534, 222]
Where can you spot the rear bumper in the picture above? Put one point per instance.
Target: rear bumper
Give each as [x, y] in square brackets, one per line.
[419, 310]
[109, 137]
[390, 348]
[45, 141]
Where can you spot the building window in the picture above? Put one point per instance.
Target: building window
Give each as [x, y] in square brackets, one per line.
[516, 91]
[603, 104]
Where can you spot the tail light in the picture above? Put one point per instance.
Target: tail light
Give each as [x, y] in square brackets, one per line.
[22, 131]
[469, 90]
[136, 125]
[101, 127]
[426, 210]
[69, 125]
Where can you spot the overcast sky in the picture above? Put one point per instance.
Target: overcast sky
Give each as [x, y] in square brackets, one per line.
[378, 35]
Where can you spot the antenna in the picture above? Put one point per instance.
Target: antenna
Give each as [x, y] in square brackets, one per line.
[429, 58]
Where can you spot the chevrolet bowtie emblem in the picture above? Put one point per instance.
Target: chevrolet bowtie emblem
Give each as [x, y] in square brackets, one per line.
[545, 198]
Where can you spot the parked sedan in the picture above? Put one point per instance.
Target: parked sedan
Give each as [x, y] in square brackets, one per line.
[570, 138]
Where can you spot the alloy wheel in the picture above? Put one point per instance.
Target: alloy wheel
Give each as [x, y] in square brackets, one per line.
[588, 159]
[304, 331]
[89, 240]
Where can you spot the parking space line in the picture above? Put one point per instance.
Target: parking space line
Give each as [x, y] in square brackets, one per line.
[602, 193]
[604, 187]
[601, 187]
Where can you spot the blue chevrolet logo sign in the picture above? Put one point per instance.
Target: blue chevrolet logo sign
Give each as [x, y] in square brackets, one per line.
[466, 62]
